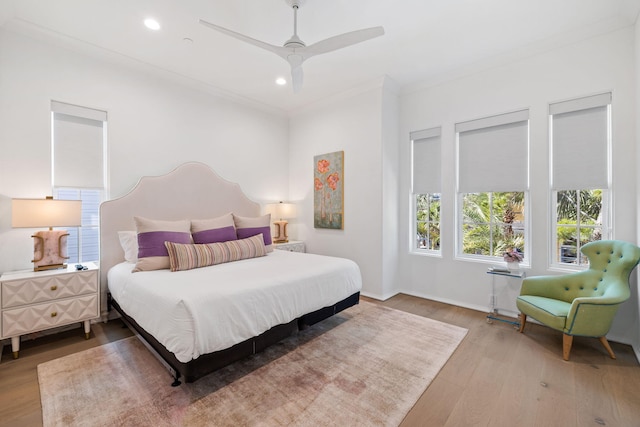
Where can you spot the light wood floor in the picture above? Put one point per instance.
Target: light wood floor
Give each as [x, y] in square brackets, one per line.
[497, 377]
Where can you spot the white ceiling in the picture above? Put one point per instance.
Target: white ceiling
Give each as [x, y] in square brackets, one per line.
[426, 41]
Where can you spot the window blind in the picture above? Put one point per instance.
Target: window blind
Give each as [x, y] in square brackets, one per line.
[78, 135]
[426, 161]
[493, 153]
[580, 141]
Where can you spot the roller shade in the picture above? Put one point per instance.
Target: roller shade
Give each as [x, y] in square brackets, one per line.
[426, 161]
[580, 140]
[77, 146]
[493, 153]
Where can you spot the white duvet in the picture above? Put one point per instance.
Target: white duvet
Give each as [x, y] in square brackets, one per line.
[208, 309]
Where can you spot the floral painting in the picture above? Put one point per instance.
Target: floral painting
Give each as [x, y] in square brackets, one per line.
[328, 193]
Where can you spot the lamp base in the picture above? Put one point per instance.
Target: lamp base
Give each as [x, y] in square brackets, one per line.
[49, 248]
[49, 267]
[281, 232]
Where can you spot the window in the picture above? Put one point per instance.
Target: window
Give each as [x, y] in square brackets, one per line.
[580, 146]
[78, 171]
[426, 189]
[493, 181]
[493, 223]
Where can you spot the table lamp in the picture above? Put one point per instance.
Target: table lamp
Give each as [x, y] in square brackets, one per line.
[50, 247]
[282, 211]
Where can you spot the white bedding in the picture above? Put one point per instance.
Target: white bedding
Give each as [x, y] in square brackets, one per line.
[208, 309]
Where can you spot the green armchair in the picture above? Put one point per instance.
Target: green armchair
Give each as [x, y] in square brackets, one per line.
[582, 303]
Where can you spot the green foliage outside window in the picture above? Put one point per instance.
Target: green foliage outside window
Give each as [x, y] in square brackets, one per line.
[493, 223]
[578, 214]
[428, 221]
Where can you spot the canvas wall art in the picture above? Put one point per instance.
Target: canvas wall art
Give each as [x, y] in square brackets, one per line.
[328, 200]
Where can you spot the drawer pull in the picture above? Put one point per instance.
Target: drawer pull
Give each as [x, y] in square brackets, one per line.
[54, 287]
[54, 313]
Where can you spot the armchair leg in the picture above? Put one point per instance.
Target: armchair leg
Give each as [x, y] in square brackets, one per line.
[606, 345]
[523, 320]
[567, 340]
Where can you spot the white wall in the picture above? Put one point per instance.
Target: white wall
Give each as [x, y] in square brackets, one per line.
[352, 124]
[604, 63]
[636, 338]
[390, 186]
[154, 125]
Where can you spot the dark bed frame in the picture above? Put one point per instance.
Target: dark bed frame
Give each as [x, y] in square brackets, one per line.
[207, 363]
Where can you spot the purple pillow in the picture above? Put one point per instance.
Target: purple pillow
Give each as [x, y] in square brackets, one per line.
[214, 230]
[152, 252]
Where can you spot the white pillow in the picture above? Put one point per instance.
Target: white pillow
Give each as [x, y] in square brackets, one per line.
[129, 243]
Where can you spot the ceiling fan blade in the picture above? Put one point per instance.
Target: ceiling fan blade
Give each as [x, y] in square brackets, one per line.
[342, 40]
[296, 60]
[278, 50]
[297, 76]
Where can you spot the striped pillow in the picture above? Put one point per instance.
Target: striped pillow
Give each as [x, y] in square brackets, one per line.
[188, 256]
[252, 226]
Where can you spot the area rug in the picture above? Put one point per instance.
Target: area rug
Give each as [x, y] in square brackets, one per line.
[367, 365]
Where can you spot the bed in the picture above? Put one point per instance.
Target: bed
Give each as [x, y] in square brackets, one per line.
[201, 319]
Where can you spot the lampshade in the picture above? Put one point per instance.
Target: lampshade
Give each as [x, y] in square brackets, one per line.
[282, 210]
[36, 213]
[50, 247]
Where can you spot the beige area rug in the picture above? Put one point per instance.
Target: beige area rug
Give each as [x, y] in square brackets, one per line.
[365, 366]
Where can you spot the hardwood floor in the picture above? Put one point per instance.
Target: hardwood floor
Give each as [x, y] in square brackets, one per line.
[19, 390]
[497, 377]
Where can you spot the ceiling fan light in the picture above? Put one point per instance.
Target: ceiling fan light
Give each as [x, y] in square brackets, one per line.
[281, 81]
[152, 24]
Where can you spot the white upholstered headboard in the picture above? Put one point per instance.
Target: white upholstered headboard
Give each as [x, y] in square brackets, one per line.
[191, 191]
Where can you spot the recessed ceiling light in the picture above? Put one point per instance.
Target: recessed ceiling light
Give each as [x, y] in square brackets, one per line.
[281, 81]
[151, 24]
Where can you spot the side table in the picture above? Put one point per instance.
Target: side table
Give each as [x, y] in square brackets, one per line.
[291, 246]
[493, 304]
[34, 301]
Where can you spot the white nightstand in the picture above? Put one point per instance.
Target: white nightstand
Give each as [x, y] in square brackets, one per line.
[291, 246]
[34, 301]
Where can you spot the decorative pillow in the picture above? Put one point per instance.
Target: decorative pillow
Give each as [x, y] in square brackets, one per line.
[248, 226]
[129, 243]
[186, 257]
[152, 253]
[213, 230]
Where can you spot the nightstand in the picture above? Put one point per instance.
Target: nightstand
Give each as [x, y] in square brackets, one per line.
[291, 246]
[33, 301]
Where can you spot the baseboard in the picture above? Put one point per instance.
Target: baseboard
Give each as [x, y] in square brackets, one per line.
[475, 307]
[108, 315]
[615, 338]
[378, 297]
[635, 348]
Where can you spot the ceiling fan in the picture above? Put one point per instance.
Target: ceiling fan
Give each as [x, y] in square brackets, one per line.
[295, 51]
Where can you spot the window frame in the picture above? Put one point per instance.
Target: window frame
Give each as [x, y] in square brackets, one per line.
[413, 237]
[103, 192]
[491, 259]
[491, 121]
[606, 210]
[84, 227]
[414, 227]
